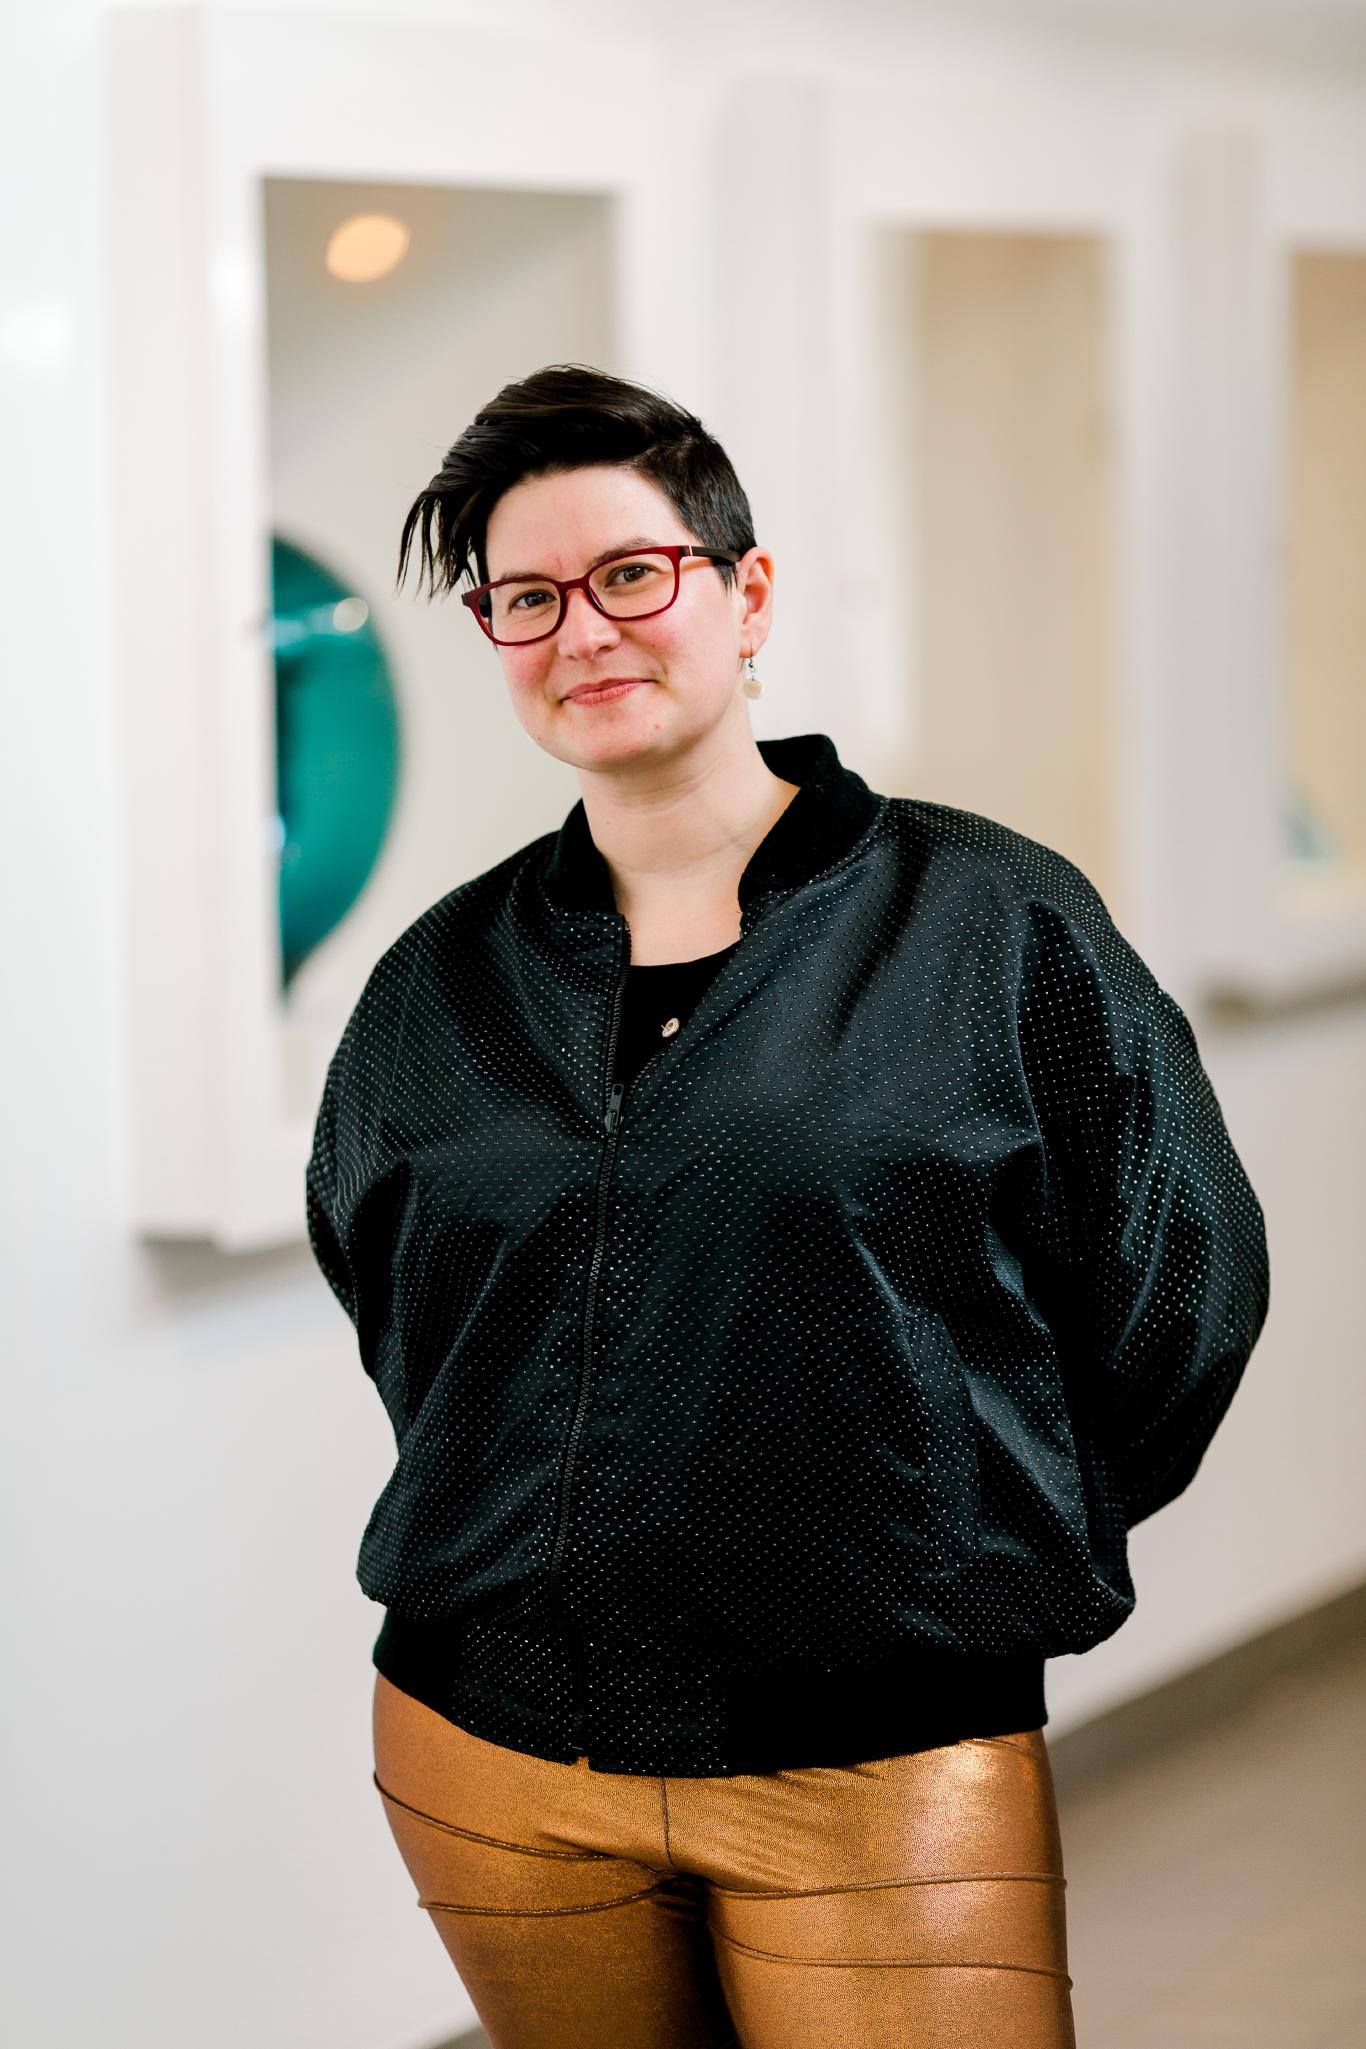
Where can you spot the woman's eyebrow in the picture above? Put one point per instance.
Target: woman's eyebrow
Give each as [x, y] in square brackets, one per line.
[620, 548]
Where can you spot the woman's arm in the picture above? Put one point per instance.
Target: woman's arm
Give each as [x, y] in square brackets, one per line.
[1154, 1237]
[344, 1162]
[320, 1200]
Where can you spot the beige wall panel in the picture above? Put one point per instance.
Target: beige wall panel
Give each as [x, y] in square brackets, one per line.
[1327, 609]
[1011, 483]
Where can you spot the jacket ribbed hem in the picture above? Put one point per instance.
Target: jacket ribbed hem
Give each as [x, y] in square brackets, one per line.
[514, 1685]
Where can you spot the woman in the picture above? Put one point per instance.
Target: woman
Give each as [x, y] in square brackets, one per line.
[795, 1239]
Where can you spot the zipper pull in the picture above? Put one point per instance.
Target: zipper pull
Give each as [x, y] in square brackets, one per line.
[614, 1107]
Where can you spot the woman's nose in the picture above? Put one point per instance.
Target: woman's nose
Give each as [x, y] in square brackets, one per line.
[583, 628]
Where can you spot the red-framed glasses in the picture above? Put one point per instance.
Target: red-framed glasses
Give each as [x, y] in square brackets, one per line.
[634, 585]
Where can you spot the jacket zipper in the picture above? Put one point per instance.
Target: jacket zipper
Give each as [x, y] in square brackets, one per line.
[611, 1125]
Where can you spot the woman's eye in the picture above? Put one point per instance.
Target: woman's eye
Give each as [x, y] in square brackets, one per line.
[523, 595]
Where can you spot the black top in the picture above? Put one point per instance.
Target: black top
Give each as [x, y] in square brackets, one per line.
[909, 1702]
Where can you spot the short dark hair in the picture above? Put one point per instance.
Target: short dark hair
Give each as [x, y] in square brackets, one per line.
[567, 417]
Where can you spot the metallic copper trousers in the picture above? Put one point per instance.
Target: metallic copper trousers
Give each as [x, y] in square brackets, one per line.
[914, 1902]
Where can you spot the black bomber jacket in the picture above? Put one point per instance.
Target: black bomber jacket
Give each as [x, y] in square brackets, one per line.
[910, 1274]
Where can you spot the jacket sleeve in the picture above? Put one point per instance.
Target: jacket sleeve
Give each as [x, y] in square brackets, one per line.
[322, 1200]
[1152, 1233]
[345, 1162]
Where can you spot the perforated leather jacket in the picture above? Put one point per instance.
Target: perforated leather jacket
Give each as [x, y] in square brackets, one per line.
[900, 1283]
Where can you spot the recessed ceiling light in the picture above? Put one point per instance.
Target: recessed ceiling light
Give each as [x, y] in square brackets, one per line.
[366, 247]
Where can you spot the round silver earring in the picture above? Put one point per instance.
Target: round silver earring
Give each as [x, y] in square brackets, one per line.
[751, 686]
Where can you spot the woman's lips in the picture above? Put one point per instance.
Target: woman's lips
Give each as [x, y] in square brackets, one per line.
[604, 693]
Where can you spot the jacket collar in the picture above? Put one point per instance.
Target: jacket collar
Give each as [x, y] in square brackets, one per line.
[831, 811]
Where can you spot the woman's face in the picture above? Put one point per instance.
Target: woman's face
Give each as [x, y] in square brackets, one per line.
[687, 661]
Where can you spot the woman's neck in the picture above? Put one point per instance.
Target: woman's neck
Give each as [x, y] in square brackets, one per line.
[676, 858]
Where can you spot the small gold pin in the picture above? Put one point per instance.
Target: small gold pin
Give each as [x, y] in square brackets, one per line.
[666, 1031]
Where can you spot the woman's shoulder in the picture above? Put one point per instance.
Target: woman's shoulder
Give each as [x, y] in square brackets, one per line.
[441, 932]
[1018, 870]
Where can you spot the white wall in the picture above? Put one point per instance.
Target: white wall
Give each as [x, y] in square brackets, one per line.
[195, 1853]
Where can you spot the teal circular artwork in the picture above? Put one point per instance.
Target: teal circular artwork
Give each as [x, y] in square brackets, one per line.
[337, 747]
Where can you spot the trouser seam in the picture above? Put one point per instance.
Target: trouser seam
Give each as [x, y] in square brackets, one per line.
[664, 1809]
[542, 1913]
[815, 1892]
[471, 1835]
[889, 1963]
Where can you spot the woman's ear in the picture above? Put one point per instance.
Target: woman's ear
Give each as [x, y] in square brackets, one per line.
[754, 586]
